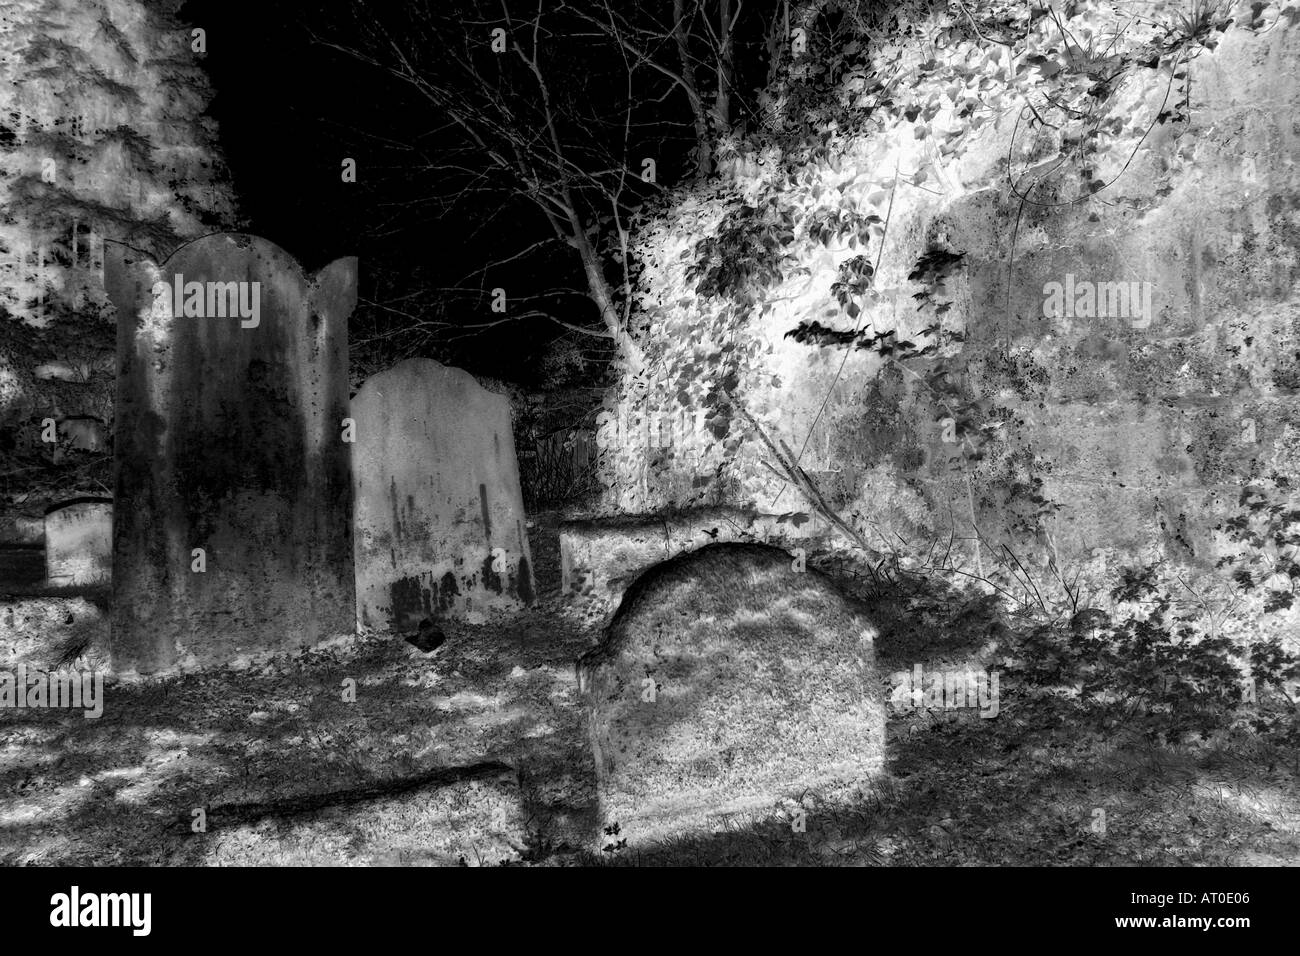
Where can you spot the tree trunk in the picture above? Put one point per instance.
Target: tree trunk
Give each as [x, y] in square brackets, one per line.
[726, 69]
[703, 136]
[601, 294]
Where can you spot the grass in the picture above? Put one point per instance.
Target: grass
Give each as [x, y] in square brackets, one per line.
[287, 772]
[963, 791]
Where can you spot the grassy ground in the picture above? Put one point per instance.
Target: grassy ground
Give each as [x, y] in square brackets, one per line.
[286, 770]
[476, 754]
[960, 795]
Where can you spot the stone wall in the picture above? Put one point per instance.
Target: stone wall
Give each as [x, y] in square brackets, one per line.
[1081, 435]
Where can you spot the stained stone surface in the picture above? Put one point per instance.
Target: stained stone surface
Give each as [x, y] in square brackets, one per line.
[439, 514]
[41, 631]
[228, 438]
[79, 544]
[726, 683]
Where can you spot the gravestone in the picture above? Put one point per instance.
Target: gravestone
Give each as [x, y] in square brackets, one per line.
[22, 552]
[232, 530]
[726, 682]
[439, 514]
[79, 544]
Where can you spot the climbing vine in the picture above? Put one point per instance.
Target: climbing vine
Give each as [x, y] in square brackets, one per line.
[796, 225]
[745, 255]
[1267, 527]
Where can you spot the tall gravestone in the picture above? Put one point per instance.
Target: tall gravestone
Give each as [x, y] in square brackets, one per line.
[439, 514]
[232, 522]
[79, 544]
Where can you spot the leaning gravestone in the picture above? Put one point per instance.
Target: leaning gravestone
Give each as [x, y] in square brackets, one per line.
[232, 531]
[439, 514]
[79, 544]
[726, 682]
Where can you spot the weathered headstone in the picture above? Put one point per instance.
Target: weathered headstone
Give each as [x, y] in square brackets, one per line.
[726, 682]
[22, 551]
[232, 531]
[439, 514]
[22, 566]
[79, 544]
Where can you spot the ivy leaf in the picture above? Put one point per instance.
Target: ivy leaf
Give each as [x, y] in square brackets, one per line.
[1278, 601]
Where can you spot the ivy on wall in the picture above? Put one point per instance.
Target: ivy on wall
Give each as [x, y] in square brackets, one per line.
[797, 223]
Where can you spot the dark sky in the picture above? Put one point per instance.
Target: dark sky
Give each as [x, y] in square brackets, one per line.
[284, 106]
[290, 110]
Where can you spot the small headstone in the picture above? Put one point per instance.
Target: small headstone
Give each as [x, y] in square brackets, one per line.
[439, 513]
[84, 432]
[726, 682]
[22, 530]
[22, 566]
[22, 551]
[79, 544]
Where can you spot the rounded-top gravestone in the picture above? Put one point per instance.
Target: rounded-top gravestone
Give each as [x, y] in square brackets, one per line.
[729, 678]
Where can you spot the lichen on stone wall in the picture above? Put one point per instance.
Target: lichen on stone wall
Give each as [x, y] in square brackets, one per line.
[1022, 277]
